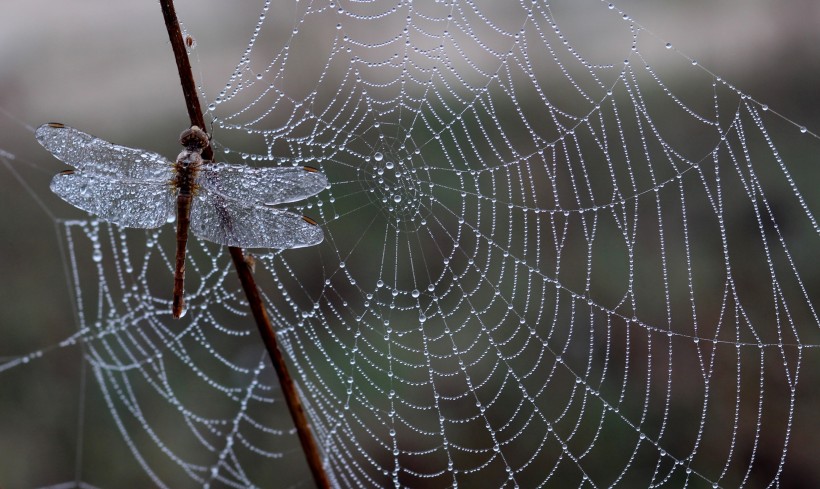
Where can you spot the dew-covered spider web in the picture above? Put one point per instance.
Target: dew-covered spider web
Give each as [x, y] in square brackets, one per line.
[546, 263]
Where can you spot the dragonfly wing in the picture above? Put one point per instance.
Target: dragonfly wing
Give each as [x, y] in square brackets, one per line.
[233, 223]
[132, 204]
[90, 154]
[276, 185]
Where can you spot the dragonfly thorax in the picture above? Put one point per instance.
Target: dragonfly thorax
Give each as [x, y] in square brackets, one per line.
[186, 170]
[189, 160]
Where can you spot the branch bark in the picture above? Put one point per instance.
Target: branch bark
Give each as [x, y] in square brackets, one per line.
[260, 315]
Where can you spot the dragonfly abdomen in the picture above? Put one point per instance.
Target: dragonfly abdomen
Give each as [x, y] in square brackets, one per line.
[183, 223]
[185, 182]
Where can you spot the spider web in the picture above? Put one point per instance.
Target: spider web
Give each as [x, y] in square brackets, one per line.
[544, 264]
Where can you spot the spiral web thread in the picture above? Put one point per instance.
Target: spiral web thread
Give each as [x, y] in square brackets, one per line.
[544, 264]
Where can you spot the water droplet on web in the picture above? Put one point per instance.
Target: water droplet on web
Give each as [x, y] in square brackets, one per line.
[389, 165]
[397, 198]
[378, 156]
[96, 255]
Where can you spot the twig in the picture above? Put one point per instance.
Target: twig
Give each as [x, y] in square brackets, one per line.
[309, 446]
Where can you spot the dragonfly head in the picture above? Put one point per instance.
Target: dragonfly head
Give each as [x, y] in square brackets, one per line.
[194, 139]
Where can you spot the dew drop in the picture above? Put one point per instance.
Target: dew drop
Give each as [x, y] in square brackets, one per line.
[397, 198]
[97, 255]
[378, 156]
[389, 165]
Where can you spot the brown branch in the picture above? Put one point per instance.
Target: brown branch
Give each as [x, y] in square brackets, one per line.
[285, 380]
[266, 330]
[186, 75]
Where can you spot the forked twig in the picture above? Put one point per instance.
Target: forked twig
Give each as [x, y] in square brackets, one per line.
[309, 446]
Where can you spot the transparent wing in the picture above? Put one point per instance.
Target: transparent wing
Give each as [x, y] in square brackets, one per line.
[127, 203]
[233, 223]
[278, 185]
[94, 155]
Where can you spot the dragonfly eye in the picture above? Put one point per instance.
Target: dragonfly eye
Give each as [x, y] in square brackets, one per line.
[194, 139]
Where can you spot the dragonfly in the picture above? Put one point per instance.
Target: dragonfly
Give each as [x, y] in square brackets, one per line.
[224, 203]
